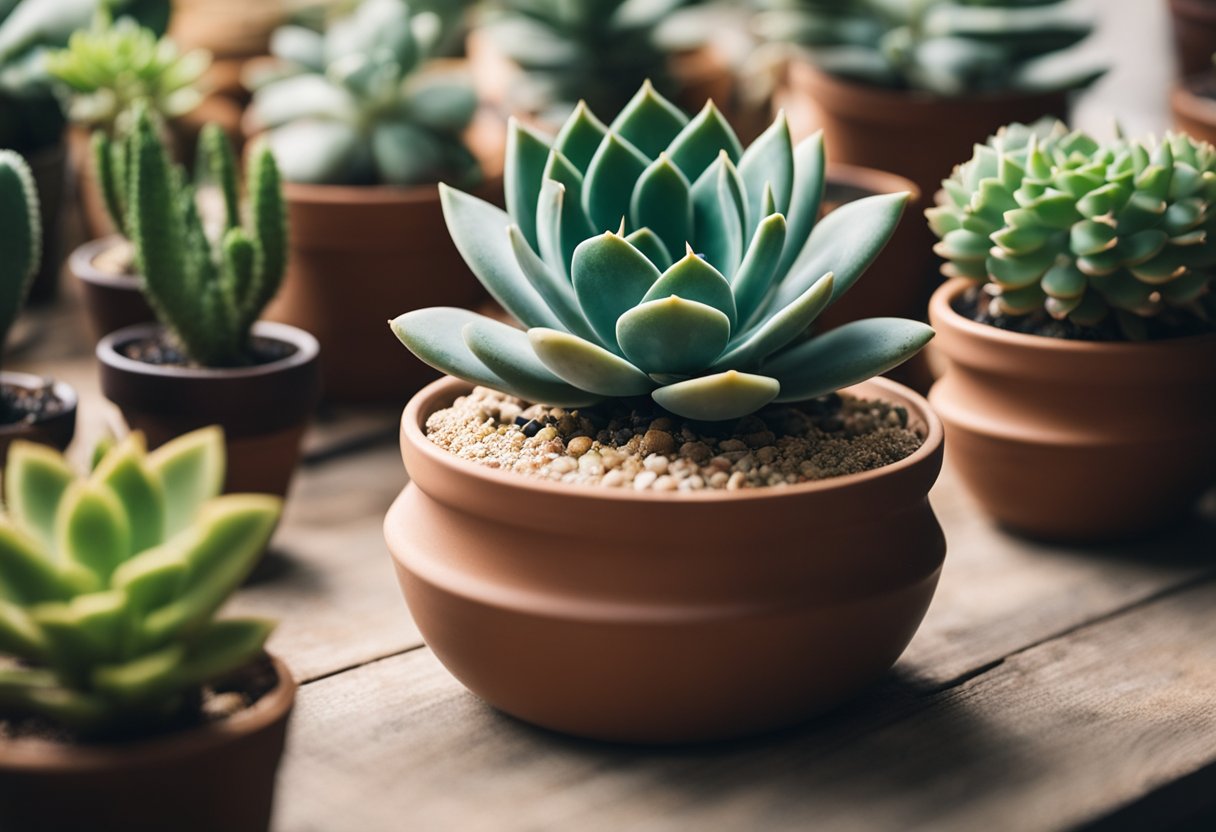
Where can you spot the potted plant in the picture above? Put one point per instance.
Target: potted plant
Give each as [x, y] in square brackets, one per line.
[363, 127]
[31, 407]
[940, 74]
[1194, 29]
[1193, 101]
[209, 360]
[634, 477]
[124, 701]
[1079, 329]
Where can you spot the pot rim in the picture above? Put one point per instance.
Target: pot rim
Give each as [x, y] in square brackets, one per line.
[80, 264]
[307, 350]
[65, 392]
[1185, 101]
[873, 180]
[323, 196]
[50, 757]
[441, 393]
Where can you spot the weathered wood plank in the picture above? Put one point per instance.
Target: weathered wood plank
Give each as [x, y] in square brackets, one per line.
[1062, 733]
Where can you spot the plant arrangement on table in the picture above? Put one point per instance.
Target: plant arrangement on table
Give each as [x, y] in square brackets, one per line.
[31, 407]
[1080, 323]
[116, 678]
[667, 384]
[364, 125]
[209, 360]
[941, 73]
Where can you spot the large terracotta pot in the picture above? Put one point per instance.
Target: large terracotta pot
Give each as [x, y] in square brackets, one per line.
[360, 256]
[1075, 440]
[264, 410]
[48, 167]
[914, 134]
[1193, 101]
[1194, 25]
[664, 617]
[56, 431]
[112, 301]
[217, 776]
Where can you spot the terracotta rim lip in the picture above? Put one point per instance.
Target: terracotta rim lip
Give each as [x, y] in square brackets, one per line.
[62, 390]
[322, 196]
[307, 351]
[1185, 101]
[440, 393]
[943, 316]
[873, 180]
[80, 264]
[46, 757]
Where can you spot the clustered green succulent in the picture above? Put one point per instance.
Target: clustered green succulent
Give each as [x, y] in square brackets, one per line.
[1055, 220]
[598, 51]
[113, 65]
[359, 105]
[109, 584]
[20, 238]
[208, 293]
[945, 47]
[701, 295]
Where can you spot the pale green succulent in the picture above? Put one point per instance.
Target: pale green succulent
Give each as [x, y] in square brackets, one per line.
[1055, 220]
[109, 584]
[946, 47]
[359, 105]
[701, 294]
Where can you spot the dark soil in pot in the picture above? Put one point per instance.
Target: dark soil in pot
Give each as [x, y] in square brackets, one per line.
[264, 407]
[112, 295]
[37, 409]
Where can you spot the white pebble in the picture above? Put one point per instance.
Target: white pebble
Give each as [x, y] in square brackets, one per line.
[644, 480]
[656, 463]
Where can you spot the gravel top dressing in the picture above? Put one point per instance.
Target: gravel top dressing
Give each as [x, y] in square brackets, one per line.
[635, 445]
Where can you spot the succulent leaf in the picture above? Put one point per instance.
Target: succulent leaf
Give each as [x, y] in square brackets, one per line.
[587, 365]
[715, 398]
[610, 278]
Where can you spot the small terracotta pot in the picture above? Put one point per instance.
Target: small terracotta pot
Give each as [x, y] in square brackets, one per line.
[263, 410]
[1194, 106]
[48, 167]
[112, 301]
[1076, 440]
[1194, 26]
[360, 256]
[56, 431]
[914, 134]
[664, 617]
[217, 776]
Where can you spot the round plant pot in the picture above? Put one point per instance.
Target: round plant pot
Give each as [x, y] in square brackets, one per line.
[112, 301]
[664, 617]
[48, 167]
[360, 256]
[933, 133]
[1075, 440]
[56, 431]
[1194, 26]
[1194, 106]
[217, 776]
[264, 410]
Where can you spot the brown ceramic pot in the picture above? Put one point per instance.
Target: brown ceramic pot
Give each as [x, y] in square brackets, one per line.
[1193, 101]
[916, 135]
[264, 410]
[1194, 25]
[360, 256]
[112, 301]
[664, 617]
[56, 431]
[1075, 440]
[219, 776]
[48, 167]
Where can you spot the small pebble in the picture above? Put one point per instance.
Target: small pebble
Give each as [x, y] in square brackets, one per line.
[578, 446]
[657, 442]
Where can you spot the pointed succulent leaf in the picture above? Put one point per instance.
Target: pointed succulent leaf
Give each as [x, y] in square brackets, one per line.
[662, 202]
[611, 176]
[647, 242]
[434, 335]
[759, 269]
[580, 137]
[672, 335]
[779, 330]
[701, 142]
[155, 577]
[191, 470]
[694, 279]
[223, 647]
[588, 366]
[20, 636]
[509, 355]
[649, 121]
[610, 277]
[138, 489]
[555, 289]
[92, 528]
[527, 155]
[719, 215]
[768, 164]
[718, 397]
[27, 575]
[805, 200]
[35, 478]
[561, 222]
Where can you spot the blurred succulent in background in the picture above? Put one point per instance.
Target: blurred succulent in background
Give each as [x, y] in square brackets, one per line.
[109, 584]
[701, 293]
[945, 47]
[358, 105]
[20, 238]
[1057, 221]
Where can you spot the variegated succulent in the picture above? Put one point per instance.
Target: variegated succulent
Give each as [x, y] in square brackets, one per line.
[700, 293]
[1055, 220]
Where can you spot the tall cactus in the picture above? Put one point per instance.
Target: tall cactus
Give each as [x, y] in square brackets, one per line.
[20, 237]
[208, 293]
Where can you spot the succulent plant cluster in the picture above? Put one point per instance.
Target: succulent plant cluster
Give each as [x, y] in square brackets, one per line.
[359, 105]
[209, 293]
[20, 238]
[1056, 220]
[700, 294]
[944, 47]
[109, 584]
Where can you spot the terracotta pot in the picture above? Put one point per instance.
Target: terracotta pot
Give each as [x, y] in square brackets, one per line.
[56, 431]
[48, 167]
[1076, 440]
[263, 410]
[217, 776]
[112, 301]
[1194, 105]
[664, 617]
[1194, 25]
[93, 214]
[916, 135]
[360, 256]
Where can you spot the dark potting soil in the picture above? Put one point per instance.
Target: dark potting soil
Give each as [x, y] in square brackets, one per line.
[162, 351]
[212, 703]
[118, 260]
[973, 305]
[29, 404]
